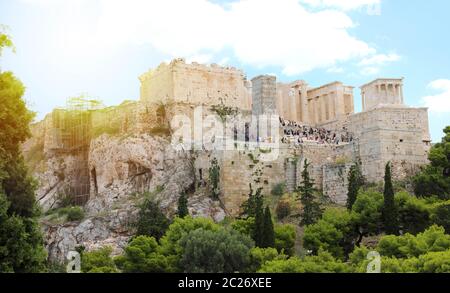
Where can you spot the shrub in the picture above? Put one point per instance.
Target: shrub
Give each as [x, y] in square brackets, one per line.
[151, 221]
[244, 226]
[283, 209]
[98, 261]
[73, 213]
[278, 189]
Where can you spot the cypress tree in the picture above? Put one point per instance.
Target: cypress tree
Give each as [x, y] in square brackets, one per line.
[355, 181]
[250, 205]
[259, 222]
[311, 209]
[389, 212]
[183, 210]
[268, 234]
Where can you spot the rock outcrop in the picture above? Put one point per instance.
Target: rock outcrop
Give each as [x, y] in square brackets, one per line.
[122, 170]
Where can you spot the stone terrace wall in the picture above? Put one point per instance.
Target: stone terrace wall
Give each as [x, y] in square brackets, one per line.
[335, 182]
[239, 168]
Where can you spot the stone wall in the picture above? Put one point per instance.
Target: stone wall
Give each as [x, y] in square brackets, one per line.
[397, 134]
[239, 168]
[196, 84]
[335, 182]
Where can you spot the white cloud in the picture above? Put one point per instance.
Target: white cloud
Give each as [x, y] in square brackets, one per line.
[439, 103]
[343, 4]
[370, 70]
[261, 33]
[335, 70]
[372, 65]
[379, 59]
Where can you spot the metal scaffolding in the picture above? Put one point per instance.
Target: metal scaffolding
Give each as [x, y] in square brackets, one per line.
[72, 126]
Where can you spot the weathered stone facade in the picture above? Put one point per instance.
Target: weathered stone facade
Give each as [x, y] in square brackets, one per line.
[196, 84]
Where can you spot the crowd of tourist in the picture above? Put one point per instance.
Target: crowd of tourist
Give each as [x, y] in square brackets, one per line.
[294, 132]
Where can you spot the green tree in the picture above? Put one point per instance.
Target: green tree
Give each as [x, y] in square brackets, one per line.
[221, 251]
[15, 118]
[5, 40]
[434, 179]
[427, 252]
[244, 226]
[333, 233]
[258, 231]
[260, 256]
[151, 220]
[268, 234]
[183, 210]
[324, 262]
[143, 255]
[285, 239]
[441, 215]
[433, 239]
[21, 244]
[98, 261]
[171, 242]
[311, 210]
[366, 214]
[250, 206]
[414, 214]
[389, 212]
[355, 182]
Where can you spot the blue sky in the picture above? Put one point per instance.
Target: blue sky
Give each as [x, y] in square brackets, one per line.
[100, 47]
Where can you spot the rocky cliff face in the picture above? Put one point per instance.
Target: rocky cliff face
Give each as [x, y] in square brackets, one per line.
[121, 170]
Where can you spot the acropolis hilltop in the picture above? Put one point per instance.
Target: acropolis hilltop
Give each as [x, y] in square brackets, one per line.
[102, 155]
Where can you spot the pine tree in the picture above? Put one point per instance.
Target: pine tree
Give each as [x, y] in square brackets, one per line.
[389, 210]
[355, 182]
[311, 209]
[183, 210]
[268, 234]
[259, 222]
